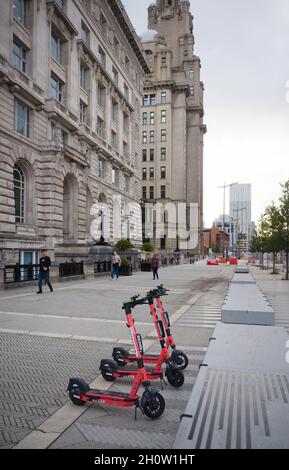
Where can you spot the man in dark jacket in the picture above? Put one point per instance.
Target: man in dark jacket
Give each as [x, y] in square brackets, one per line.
[45, 263]
[155, 266]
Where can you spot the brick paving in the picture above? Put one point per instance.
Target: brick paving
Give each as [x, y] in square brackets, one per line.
[34, 376]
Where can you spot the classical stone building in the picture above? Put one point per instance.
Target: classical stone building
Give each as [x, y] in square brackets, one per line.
[71, 84]
[172, 118]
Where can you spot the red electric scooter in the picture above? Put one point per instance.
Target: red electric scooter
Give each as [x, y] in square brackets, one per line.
[112, 370]
[152, 403]
[174, 375]
[179, 358]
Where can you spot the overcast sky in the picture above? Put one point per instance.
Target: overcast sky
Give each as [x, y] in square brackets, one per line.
[244, 50]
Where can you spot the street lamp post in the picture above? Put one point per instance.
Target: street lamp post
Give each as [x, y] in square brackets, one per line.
[127, 218]
[224, 208]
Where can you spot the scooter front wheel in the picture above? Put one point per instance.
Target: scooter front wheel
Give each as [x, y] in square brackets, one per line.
[154, 407]
[175, 377]
[180, 360]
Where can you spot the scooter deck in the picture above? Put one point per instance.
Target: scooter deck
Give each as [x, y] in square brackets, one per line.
[131, 371]
[102, 393]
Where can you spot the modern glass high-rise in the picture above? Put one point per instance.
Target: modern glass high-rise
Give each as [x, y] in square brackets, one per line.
[240, 211]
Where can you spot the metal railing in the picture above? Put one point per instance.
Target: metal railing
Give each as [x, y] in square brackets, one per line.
[102, 267]
[20, 273]
[71, 269]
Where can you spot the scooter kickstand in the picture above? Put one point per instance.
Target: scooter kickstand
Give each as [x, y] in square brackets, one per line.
[162, 381]
[135, 411]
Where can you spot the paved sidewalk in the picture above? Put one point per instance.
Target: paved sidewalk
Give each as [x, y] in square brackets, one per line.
[46, 339]
[276, 290]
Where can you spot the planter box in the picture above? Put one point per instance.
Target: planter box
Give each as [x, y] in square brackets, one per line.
[146, 267]
[125, 271]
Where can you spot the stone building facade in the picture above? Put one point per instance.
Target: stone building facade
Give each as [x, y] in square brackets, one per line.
[172, 120]
[71, 84]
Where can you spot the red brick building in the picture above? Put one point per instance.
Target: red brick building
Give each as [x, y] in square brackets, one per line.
[213, 239]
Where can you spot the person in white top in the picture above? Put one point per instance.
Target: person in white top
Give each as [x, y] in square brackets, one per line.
[116, 263]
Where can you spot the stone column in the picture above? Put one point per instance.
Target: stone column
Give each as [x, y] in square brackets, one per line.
[1, 274]
[88, 269]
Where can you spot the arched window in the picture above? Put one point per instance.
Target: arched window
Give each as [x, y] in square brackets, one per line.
[19, 194]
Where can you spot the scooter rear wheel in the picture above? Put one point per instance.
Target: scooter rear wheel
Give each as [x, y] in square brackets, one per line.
[155, 407]
[107, 374]
[73, 397]
[175, 377]
[181, 360]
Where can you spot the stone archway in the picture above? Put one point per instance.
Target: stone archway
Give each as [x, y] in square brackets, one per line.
[70, 209]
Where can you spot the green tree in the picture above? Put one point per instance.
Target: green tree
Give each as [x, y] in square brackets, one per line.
[259, 240]
[273, 231]
[284, 210]
[148, 247]
[123, 245]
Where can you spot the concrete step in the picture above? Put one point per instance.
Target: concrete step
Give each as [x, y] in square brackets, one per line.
[241, 397]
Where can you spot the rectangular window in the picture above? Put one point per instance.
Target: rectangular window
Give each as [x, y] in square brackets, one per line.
[163, 135]
[125, 149]
[163, 116]
[152, 192]
[192, 91]
[101, 56]
[152, 173]
[163, 242]
[146, 100]
[56, 88]
[115, 176]
[144, 137]
[164, 61]
[125, 123]
[126, 91]
[144, 174]
[127, 64]
[64, 137]
[19, 55]
[101, 96]
[190, 74]
[100, 127]
[60, 3]
[152, 137]
[103, 24]
[20, 11]
[144, 193]
[163, 153]
[126, 183]
[23, 119]
[163, 97]
[163, 192]
[56, 47]
[152, 118]
[83, 77]
[115, 75]
[144, 155]
[116, 46]
[153, 100]
[101, 168]
[84, 33]
[114, 111]
[144, 119]
[114, 142]
[82, 112]
[152, 155]
[163, 172]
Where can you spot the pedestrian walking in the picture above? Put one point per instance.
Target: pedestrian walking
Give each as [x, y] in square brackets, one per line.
[155, 266]
[116, 263]
[45, 263]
